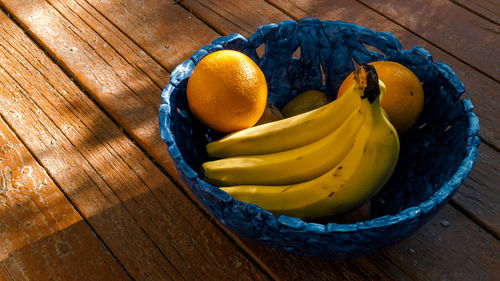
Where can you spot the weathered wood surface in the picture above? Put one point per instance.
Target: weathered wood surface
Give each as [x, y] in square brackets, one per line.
[41, 232]
[119, 75]
[5, 275]
[151, 227]
[120, 53]
[488, 9]
[232, 16]
[479, 196]
[169, 31]
[449, 247]
[466, 36]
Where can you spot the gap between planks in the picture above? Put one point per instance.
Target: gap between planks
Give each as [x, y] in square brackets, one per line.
[111, 45]
[474, 11]
[29, 153]
[427, 40]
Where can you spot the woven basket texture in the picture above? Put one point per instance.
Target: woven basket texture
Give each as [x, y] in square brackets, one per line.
[436, 154]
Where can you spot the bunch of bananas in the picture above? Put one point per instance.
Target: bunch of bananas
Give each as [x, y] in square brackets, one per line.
[320, 163]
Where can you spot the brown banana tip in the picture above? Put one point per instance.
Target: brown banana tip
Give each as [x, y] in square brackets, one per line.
[367, 79]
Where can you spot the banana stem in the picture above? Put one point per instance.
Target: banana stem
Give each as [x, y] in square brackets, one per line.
[367, 81]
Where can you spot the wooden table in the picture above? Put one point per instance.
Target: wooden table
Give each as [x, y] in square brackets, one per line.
[87, 188]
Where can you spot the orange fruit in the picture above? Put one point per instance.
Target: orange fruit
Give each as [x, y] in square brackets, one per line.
[227, 91]
[404, 97]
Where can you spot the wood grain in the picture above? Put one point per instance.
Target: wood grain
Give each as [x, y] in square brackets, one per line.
[106, 64]
[449, 247]
[153, 229]
[55, 258]
[289, 266]
[170, 33]
[479, 196]
[454, 29]
[43, 237]
[489, 9]
[234, 17]
[5, 275]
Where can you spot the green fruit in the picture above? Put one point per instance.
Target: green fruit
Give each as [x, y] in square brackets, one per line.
[271, 114]
[304, 102]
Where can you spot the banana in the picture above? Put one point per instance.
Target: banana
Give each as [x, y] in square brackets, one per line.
[359, 176]
[287, 167]
[287, 133]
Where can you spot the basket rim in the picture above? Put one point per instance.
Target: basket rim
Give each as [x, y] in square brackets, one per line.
[294, 224]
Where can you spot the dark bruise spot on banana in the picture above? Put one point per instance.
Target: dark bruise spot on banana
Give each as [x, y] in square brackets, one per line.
[337, 171]
[288, 187]
[331, 194]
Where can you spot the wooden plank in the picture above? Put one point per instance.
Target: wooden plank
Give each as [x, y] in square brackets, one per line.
[153, 229]
[482, 183]
[43, 237]
[234, 17]
[449, 247]
[89, 191]
[124, 79]
[288, 266]
[461, 33]
[54, 258]
[169, 32]
[488, 9]
[430, 254]
[5, 275]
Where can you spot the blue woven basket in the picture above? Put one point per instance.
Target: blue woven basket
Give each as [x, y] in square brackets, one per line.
[436, 154]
